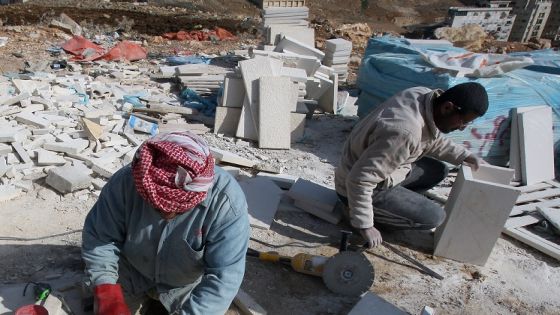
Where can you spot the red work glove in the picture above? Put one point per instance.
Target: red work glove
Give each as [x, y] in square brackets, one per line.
[109, 300]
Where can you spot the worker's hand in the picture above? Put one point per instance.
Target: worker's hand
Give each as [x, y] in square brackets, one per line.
[474, 162]
[372, 237]
[109, 300]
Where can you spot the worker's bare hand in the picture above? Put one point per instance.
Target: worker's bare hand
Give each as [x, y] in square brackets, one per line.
[474, 162]
[372, 236]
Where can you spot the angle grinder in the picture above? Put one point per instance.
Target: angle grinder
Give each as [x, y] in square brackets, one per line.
[347, 273]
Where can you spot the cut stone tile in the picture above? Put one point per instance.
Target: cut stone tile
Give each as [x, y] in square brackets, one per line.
[301, 33]
[295, 74]
[103, 170]
[372, 303]
[223, 156]
[39, 132]
[338, 44]
[246, 129]
[252, 70]
[21, 152]
[234, 92]
[12, 159]
[16, 99]
[12, 134]
[515, 144]
[298, 126]
[232, 170]
[328, 102]
[263, 197]
[309, 63]
[227, 120]
[283, 181]
[4, 167]
[132, 139]
[32, 120]
[552, 215]
[317, 87]
[292, 45]
[66, 179]
[476, 213]
[5, 149]
[74, 146]
[332, 217]
[278, 95]
[537, 145]
[45, 158]
[321, 197]
[98, 183]
[494, 174]
[200, 69]
[93, 130]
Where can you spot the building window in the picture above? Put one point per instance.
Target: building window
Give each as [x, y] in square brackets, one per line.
[461, 13]
[541, 15]
[487, 16]
[539, 21]
[534, 33]
[475, 13]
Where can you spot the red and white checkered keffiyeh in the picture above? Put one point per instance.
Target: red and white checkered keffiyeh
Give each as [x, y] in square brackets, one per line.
[173, 171]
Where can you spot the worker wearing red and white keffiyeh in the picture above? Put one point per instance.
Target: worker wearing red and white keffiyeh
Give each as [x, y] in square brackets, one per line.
[170, 230]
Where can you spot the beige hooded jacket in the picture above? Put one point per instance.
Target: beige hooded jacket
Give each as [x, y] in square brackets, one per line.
[381, 148]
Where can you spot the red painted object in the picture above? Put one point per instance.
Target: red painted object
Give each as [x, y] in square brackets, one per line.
[32, 310]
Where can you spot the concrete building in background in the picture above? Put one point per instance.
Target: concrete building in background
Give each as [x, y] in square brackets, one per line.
[532, 16]
[493, 16]
[552, 27]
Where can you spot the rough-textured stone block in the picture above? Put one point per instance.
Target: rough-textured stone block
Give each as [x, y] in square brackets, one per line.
[289, 44]
[66, 179]
[263, 197]
[73, 146]
[234, 92]
[277, 96]
[476, 213]
[227, 120]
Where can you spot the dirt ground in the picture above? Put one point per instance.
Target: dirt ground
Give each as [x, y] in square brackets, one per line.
[40, 232]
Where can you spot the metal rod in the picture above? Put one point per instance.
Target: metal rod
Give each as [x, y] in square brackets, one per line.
[414, 261]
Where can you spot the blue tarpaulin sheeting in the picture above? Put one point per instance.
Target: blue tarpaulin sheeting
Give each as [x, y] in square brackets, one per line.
[391, 64]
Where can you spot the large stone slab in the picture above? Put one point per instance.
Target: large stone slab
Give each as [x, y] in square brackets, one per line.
[278, 96]
[537, 145]
[227, 120]
[66, 179]
[263, 197]
[476, 213]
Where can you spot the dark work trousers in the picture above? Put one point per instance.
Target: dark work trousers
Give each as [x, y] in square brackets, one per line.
[403, 207]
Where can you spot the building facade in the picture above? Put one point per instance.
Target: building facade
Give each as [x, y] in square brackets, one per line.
[493, 16]
[552, 27]
[532, 16]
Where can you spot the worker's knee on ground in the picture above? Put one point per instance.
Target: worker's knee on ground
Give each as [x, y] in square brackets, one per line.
[434, 215]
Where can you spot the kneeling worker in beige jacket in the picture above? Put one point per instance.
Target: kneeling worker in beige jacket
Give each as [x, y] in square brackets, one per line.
[394, 152]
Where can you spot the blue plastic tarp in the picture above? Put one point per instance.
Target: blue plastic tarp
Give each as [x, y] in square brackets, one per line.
[391, 64]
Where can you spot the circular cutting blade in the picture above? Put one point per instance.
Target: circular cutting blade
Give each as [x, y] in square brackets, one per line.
[348, 273]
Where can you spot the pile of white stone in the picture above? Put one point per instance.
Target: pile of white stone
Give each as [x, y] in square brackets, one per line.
[76, 130]
[267, 97]
[286, 21]
[337, 56]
